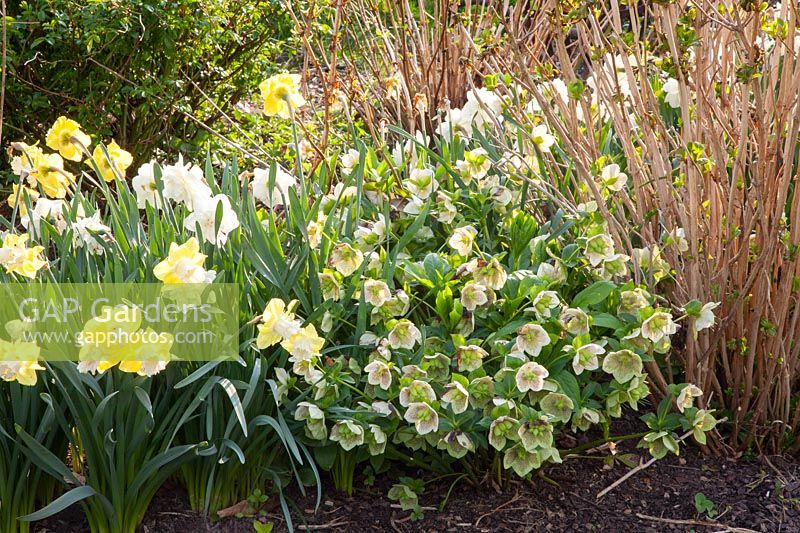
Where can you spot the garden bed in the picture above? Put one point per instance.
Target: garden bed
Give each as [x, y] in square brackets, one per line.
[659, 498]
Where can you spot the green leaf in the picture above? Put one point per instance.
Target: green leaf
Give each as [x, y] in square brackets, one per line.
[593, 294]
[59, 504]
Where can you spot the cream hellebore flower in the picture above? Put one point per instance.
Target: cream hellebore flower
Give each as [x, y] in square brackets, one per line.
[281, 95]
[376, 440]
[687, 395]
[66, 137]
[585, 357]
[677, 237]
[632, 301]
[574, 321]
[599, 248]
[544, 303]
[315, 420]
[376, 292]
[275, 196]
[658, 326]
[416, 391]
[345, 259]
[424, 418]
[530, 377]
[144, 185]
[204, 215]
[706, 318]
[473, 295]
[470, 357]
[492, 275]
[531, 338]
[277, 323]
[462, 239]
[542, 138]
[184, 264]
[476, 165]
[348, 434]
[612, 178]
[183, 183]
[314, 231]
[457, 397]
[379, 373]
[421, 183]
[349, 160]
[404, 334]
[501, 430]
[672, 93]
[624, 365]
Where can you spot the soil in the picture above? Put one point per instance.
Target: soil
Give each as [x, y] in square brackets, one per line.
[751, 495]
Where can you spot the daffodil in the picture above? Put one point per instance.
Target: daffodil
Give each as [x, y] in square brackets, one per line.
[52, 177]
[17, 258]
[183, 183]
[530, 377]
[112, 165]
[184, 264]
[280, 94]
[672, 93]
[277, 323]
[305, 344]
[349, 160]
[66, 137]
[314, 231]
[90, 233]
[24, 165]
[144, 185]
[18, 197]
[204, 216]
[276, 193]
[152, 356]
[19, 361]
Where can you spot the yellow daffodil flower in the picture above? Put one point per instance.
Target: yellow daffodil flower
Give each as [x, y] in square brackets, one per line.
[279, 92]
[19, 259]
[119, 161]
[50, 174]
[17, 198]
[183, 265]
[66, 137]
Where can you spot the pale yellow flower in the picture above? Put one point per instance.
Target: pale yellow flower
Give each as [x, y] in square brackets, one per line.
[279, 93]
[17, 258]
[305, 344]
[66, 137]
[278, 323]
[183, 265]
[114, 165]
[17, 198]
